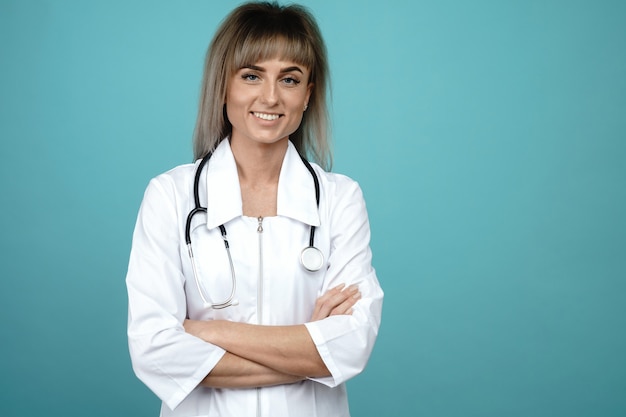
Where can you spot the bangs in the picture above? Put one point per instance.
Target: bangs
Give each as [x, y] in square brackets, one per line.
[260, 43]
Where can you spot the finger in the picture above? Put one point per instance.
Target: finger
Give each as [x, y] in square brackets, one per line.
[320, 303]
[346, 306]
[333, 299]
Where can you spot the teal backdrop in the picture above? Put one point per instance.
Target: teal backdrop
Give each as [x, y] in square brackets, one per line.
[488, 137]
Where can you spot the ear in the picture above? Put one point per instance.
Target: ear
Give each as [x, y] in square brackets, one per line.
[309, 91]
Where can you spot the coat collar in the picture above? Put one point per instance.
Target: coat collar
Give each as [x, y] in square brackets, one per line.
[296, 190]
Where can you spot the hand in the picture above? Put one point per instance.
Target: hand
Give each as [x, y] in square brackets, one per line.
[336, 301]
[198, 328]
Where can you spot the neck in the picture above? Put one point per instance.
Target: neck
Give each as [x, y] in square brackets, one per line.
[258, 167]
[259, 164]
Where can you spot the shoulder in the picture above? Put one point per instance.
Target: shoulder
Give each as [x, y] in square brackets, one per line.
[338, 188]
[342, 205]
[340, 181]
[178, 175]
[172, 183]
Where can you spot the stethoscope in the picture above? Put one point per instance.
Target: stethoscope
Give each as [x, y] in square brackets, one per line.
[311, 257]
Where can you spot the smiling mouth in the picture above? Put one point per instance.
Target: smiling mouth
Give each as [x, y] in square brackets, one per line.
[266, 116]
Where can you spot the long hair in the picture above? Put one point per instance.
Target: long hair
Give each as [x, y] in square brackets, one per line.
[254, 32]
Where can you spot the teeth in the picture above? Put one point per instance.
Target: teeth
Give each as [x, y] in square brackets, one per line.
[266, 116]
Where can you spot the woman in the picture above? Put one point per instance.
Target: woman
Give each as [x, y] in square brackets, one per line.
[246, 322]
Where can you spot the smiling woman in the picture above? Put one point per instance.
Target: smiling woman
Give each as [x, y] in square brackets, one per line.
[260, 326]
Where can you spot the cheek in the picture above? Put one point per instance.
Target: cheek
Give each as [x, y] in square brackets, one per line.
[235, 97]
[297, 120]
[234, 106]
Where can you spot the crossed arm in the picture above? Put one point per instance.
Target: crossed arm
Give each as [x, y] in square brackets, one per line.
[259, 355]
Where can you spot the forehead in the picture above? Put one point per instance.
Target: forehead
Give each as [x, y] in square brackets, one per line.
[255, 50]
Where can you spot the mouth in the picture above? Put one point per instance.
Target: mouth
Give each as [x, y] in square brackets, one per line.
[266, 116]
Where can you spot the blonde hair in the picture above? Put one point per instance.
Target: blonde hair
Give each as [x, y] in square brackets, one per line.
[251, 33]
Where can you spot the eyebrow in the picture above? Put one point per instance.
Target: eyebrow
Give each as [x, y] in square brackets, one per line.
[282, 70]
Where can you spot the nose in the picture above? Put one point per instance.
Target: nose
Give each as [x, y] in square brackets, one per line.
[269, 93]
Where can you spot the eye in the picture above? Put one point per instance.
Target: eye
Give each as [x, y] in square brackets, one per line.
[250, 77]
[291, 81]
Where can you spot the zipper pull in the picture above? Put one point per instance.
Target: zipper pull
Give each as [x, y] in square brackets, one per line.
[260, 228]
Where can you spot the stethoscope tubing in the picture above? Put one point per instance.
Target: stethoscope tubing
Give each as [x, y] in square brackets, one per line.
[311, 257]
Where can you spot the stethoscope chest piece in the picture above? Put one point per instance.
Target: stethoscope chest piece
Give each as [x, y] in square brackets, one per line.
[312, 258]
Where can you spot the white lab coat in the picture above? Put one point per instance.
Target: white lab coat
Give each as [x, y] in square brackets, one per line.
[272, 286]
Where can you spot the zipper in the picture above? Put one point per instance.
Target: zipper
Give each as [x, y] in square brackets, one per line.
[259, 300]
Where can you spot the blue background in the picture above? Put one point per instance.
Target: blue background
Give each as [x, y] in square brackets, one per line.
[488, 137]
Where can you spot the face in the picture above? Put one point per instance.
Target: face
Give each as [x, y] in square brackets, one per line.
[265, 101]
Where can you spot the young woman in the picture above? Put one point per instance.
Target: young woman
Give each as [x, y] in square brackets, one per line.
[250, 284]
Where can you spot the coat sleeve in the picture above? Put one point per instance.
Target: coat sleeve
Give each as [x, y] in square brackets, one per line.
[345, 342]
[168, 360]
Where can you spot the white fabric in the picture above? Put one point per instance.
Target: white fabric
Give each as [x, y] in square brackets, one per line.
[162, 291]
